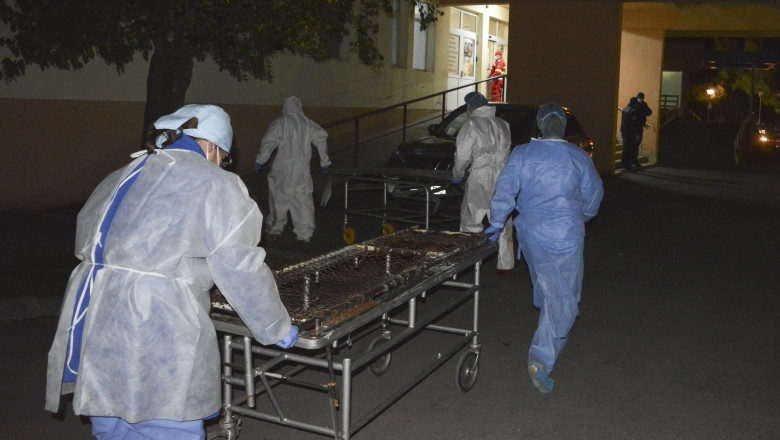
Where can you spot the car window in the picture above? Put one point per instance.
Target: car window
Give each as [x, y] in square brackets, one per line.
[520, 125]
[451, 126]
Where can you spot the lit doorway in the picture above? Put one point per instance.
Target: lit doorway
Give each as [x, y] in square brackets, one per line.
[462, 55]
[498, 39]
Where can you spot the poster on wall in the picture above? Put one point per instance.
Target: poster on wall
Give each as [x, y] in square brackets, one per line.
[468, 57]
[452, 56]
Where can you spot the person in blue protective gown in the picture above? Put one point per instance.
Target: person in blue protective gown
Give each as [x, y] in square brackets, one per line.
[482, 146]
[555, 189]
[135, 344]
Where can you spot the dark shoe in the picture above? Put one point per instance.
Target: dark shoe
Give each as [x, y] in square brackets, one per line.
[503, 272]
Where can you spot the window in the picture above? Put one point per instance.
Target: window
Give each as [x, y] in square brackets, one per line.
[400, 29]
[498, 29]
[422, 52]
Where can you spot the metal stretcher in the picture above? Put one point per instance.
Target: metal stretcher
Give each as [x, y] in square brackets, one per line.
[342, 297]
[424, 191]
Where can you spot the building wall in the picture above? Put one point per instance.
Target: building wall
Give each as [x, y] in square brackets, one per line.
[64, 131]
[569, 52]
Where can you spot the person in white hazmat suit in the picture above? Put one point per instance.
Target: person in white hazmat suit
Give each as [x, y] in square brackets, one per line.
[555, 189]
[482, 144]
[289, 181]
[134, 343]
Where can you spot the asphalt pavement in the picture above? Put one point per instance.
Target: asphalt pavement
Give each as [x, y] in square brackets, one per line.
[677, 337]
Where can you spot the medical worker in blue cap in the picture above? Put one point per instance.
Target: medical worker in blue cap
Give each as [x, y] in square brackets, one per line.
[482, 146]
[555, 189]
[135, 344]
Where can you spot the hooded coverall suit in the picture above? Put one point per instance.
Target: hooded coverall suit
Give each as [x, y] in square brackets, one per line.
[483, 143]
[289, 181]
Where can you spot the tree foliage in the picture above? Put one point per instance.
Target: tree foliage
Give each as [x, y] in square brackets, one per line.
[240, 36]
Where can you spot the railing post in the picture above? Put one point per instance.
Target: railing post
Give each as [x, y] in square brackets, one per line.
[403, 136]
[443, 104]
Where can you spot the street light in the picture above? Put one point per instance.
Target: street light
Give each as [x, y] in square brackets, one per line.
[710, 93]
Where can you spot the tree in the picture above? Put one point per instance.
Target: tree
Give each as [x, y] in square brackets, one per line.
[240, 36]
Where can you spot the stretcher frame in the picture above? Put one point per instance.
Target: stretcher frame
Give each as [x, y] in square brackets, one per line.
[340, 369]
[427, 187]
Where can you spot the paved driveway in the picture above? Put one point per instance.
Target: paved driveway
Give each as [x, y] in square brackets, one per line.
[677, 338]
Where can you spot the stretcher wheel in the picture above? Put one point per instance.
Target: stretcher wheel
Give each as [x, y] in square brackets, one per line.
[387, 229]
[380, 365]
[349, 235]
[466, 370]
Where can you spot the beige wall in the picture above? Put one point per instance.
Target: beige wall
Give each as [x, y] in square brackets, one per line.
[63, 131]
[641, 59]
[569, 52]
[73, 128]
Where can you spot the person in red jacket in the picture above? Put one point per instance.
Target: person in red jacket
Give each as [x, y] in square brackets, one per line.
[499, 68]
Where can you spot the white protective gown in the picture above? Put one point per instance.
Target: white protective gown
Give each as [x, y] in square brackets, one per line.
[149, 348]
[559, 190]
[289, 181]
[483, 142]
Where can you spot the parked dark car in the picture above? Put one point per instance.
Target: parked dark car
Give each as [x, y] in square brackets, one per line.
[436, 152]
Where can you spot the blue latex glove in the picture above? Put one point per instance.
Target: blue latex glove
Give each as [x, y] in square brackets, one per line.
[290, 339]
[325, 170]
[457, 180]
[492, 233]
[258, 167]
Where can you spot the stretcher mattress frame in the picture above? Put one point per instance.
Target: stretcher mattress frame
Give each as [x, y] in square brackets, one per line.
[368, 320]
[412, 185]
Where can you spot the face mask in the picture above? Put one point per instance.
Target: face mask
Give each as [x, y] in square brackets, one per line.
[640, 99]
[495, 58]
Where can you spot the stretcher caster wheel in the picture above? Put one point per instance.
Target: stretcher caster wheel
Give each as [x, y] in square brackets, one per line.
[387, 229]
[349, 235]
[466, 371]
[380, 365]
[228, 430]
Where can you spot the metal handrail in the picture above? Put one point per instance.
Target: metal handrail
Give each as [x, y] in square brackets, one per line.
[405, 105]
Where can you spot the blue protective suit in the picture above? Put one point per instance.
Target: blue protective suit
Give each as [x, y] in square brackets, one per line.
[555, 189]
[153, 238]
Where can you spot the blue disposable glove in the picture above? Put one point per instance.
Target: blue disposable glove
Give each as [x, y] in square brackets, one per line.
[457, 180]
[258, 167]
[290, 339]
[325, 170]
[492, 233]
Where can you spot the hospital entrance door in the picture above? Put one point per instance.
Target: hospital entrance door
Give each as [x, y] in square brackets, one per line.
[461, 56]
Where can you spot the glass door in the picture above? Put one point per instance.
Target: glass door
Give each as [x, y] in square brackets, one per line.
[461, 59]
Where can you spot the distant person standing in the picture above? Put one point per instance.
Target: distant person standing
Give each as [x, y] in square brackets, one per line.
[631, 132]
[499, 68]
[289, 182]
[643, 111]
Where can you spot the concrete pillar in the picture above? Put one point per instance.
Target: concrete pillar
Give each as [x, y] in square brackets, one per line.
[569, 52]
[641, 55]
